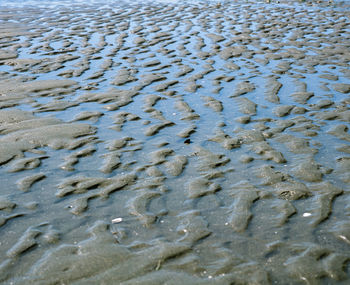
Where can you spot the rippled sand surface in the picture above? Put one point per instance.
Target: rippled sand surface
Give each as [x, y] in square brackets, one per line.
[175, 143]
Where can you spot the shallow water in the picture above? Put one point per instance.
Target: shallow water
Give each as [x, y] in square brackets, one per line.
[196, 142]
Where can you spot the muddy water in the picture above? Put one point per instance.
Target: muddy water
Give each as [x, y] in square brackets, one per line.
[173, 142]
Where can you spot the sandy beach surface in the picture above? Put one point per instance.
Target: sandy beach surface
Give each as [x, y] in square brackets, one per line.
[174, 142]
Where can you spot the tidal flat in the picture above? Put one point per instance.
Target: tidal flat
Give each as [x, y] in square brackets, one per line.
[174, 142]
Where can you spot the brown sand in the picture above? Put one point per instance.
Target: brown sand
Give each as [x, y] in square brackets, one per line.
[175, 143]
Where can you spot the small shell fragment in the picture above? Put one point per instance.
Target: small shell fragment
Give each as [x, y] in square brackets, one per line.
[117, 220]
[306, 214]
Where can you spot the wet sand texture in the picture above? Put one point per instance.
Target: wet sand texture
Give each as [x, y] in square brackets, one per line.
[175, 143]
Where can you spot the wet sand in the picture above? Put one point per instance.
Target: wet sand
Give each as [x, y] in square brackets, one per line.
[175, 143]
